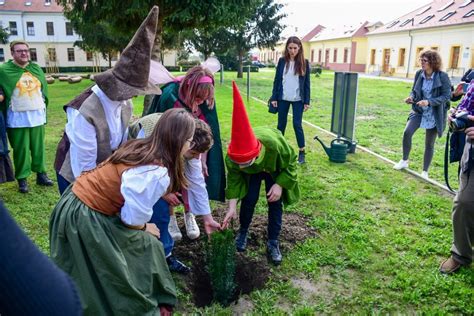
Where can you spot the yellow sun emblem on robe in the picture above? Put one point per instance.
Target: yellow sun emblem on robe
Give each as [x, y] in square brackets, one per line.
[28, 85]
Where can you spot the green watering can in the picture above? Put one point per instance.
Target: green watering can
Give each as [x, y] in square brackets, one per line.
[338, 150]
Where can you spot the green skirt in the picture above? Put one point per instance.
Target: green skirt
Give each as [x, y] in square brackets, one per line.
[119, 271]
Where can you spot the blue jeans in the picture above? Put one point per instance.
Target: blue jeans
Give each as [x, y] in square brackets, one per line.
[298, 107]
[161, 218]
[247, 206]
[62, 183]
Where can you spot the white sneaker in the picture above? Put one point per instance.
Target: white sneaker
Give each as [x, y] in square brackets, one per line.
[424, 175]
[192, 229]
[173, 229]
[402, 164]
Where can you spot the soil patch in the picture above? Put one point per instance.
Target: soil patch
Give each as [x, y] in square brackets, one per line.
[251, 273]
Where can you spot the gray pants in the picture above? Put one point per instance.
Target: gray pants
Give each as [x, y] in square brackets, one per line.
[413, 124]
[463, 215]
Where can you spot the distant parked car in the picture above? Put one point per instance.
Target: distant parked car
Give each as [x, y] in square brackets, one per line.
[259, 64]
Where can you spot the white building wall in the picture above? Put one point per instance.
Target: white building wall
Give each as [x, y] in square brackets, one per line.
[444, 38]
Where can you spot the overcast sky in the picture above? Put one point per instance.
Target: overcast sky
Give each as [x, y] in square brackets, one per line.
[306, 14]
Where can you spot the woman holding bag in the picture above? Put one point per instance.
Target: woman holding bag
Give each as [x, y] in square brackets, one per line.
[291, 86]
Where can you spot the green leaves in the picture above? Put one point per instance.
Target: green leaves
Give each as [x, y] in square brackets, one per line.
[220, 258]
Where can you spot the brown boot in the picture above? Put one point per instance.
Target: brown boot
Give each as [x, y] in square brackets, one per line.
[449, 266]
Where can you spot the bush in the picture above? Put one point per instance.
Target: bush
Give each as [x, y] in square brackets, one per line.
[77, 69]
[188, 63]
[173, 68]
[220, 259]
[317, 70]
[252, 68]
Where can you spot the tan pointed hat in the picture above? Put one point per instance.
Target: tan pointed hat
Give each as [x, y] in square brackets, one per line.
[129, 77]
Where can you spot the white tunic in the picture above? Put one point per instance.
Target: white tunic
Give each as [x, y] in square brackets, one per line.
[82, 135]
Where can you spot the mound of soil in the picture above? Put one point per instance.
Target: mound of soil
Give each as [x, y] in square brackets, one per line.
[251, 273]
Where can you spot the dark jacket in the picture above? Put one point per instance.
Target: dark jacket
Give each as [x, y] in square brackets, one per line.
[305, 89]
[440, 96]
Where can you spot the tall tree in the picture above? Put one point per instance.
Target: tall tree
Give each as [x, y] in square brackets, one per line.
[4, 34]
[124, 16]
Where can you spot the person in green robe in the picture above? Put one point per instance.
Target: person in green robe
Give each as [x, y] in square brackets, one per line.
[253, 156]
[195, 93]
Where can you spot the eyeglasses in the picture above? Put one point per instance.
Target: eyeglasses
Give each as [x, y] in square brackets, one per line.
[424, 60]
[22, 51]
[191, 143]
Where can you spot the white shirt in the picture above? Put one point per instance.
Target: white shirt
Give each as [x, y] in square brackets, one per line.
[141, 188]
[82, 135]
[198, 197]
[291, 83]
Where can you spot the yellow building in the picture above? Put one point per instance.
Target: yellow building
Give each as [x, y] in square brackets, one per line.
[444, 25]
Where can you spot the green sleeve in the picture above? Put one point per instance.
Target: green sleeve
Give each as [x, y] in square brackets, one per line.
[237, 185]
[288, 176]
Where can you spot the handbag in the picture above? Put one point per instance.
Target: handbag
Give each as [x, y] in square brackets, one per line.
[272, 109]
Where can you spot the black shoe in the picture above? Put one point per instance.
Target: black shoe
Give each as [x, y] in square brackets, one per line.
[273, 252]
[22, 186]
[177, 266]
[241, 241]
[301, 157]
[42, 179]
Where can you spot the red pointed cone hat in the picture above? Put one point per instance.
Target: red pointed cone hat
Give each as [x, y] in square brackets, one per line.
[244, 146]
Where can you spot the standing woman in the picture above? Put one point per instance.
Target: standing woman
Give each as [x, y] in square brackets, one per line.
[99, 230]
[429, 98]
[291, 86]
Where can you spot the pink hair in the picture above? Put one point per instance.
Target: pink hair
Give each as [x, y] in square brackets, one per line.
[198, 83]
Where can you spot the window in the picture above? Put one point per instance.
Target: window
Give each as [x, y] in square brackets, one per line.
[469, 14]
[334, 57]
[89, 56]
[312, 55]
[70, 54]
[465, 4]
[69, 29]
[429, 17]
[12, 28]
[372, 57]
[2, 2]
[401, 57]
[393, 24]
[423, 10]
[30, 28]
[47, 2]
[2, 55]
[435, 48]
[454, 58]
[33, 55]
[406, 22]
[418, 51]
[27, 3]
[52, 54]
[346, 55]
[320, 55]
[49, 28]
[447, 5]
[447, 16]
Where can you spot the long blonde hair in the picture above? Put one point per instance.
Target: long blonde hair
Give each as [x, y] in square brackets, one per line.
[164, 145]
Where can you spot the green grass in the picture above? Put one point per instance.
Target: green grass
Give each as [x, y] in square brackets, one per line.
[383, 232]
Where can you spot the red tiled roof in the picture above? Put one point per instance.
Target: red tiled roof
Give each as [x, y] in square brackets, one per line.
[343, 31]
[36, 6]
[430, 15]
[312, 33]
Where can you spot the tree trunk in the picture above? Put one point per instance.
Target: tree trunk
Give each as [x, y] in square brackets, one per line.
[156, 56]
[240, 66]
[110, 59]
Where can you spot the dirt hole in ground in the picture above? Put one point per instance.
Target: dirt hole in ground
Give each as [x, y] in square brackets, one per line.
[251, 273]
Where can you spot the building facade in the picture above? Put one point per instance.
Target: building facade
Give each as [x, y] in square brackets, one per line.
[443, 25]
[50, 36]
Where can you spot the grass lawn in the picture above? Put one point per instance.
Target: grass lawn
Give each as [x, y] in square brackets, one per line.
[382, 232]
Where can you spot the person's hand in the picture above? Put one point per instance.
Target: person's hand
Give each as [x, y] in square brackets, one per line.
[231, 214]
[459, 90]
[152, 229]
[274, 193]
[470, 133]
[274, 104]
[173, 198]
[423, 103]
[306, 107]
[210, 225]
[409, 100]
